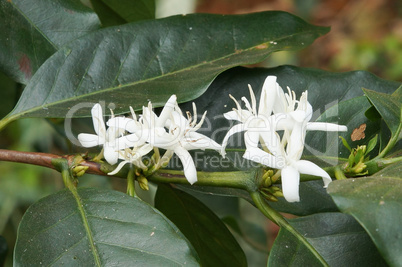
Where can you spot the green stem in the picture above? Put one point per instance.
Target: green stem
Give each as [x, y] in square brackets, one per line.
[391, 143]
[131, 182]
[237, 179]
[278, 219]
[339, 175]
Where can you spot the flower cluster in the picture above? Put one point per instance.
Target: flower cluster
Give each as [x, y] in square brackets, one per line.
[278, 111]
[131, 138]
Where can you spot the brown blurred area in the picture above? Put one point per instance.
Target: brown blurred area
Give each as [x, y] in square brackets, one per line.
[365, 34]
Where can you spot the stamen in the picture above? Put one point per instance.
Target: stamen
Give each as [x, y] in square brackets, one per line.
[248, 106]
[253, 100]
[198, 126]
[133, 113]
[194, 113]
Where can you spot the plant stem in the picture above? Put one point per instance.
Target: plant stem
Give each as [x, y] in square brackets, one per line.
[278, 219]
[237, 179]
[391, 143]
[131, 182]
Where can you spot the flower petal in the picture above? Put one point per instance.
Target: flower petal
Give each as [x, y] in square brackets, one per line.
[119, 167]
[127, 124]
[295, 146]
[97, 120]
[308, 167]
[89, 140]
[290, 178]
[166, 111]
[232, 115]
[325, 126]
[260, 156]
[188, 164]
[110, 154]
[235, 129]
[268, 96]
[194, 140]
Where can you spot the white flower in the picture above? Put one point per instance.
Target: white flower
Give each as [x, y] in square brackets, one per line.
[290, 164]
[170, 131]
[103, 137]
[261, 128]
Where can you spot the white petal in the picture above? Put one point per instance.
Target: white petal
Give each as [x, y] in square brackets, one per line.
[298, 115]
[268, 96]
[324, 126]
[307, 167]
[89, 140]
[280, 104]
[97, 120]
[251, 138]
[110, 154]
[282, 121]
[290, 178]
[118, 168]
[235, 129]
[295, 145]
[188, 164]
[232, 115]
[194, 140]
[260, 156]
[166, 111]
[127, 124]
[130, 140]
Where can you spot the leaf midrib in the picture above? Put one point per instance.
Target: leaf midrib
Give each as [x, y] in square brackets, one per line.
[86, 226]
[173, 73]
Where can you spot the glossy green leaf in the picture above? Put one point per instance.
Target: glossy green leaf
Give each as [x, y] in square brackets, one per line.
[3, 250]
[388, 105]
[211, 239]
[375, 202]
[337, 237]
[150, 60]
[100, 228]
[113, 12]
[31, 31]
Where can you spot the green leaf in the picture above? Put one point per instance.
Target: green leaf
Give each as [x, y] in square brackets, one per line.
[389, 106]
[337, 237]
[119, 12]
[375, 202]
[99, 228]
[31, 31]
[211, 239]
[371, 144]
[3, 250]
[150, 60]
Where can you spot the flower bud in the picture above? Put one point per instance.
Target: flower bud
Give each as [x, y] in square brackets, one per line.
[143, 182]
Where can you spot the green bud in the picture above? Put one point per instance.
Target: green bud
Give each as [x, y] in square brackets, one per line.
[143, 182]
[79, 170]
[359, 168]
[278, 194]
[269, 197]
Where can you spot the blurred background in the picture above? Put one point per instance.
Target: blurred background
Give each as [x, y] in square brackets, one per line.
[365, 35]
